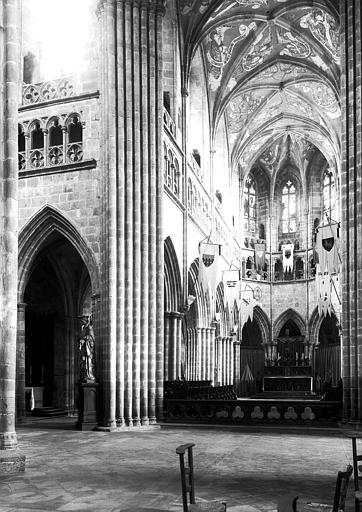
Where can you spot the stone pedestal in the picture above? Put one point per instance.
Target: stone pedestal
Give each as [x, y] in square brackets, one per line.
[87, 415]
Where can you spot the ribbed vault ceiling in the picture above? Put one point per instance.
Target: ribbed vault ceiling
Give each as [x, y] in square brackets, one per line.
[272, 72]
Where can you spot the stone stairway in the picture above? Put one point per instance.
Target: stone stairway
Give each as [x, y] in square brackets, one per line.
[48, 412]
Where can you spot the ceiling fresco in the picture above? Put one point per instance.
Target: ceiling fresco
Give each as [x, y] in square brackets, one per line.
[272, 73]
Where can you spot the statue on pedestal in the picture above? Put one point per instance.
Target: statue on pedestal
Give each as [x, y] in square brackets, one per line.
[86, 351]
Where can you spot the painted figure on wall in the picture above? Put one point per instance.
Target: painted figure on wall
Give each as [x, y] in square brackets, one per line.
[86, 351]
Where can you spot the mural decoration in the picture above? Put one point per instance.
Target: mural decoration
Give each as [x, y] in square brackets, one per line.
[220, 48]
[240, 108]
[258, 52]
[322, 95]
[254, 4]
[297, 105]
[270, 156]
[324, 29]
[188, 5]
[282, 71]
[294, 45]
[250, 151]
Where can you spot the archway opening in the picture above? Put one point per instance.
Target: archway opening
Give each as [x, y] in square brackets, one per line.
[57, 292]
[290, 345]
[328, 355]
[251, 359]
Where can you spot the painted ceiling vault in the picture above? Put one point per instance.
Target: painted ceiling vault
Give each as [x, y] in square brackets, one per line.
[272, 72]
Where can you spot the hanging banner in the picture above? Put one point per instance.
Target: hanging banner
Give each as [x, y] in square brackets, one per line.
[246, 307]
[209, 256]
[324, 289]
[259, 257]
[231, 282]
[288, 250]
[327, 246]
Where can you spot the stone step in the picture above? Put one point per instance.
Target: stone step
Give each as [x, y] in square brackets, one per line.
[48, 411]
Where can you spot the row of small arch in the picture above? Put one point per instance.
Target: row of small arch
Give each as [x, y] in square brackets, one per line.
[54, 127]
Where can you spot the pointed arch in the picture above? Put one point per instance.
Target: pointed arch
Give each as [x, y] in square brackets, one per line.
[173, 287]
[314, 326]
[199, 308]
[34, 235]
[264, 324]
[289, 314]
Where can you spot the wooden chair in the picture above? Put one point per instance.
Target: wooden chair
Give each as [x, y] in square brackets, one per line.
[187, 484]
[339, 501]
[357, 474]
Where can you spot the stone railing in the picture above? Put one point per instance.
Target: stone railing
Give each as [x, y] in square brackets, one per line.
[197, 170]
[55, 155]
[47, 91]
[249, 411]
[169, 123]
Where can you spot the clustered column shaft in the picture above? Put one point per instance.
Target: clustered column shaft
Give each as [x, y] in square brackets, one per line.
[173, 345]
[200, 353]
[351, 206]
[224, 360]
[132, 111]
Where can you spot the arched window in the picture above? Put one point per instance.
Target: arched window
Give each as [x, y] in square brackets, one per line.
[55, 134]
[55, 153]
[36, 147]
[37, 137]
[21, 148]
[250, 205]
[176, 182]
[189, 195]
[165, 163]
[75, 130]
[289, 208]
[75, 139]
[169, 169]
[329, 194]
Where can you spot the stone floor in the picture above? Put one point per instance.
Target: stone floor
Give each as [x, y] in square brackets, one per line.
[68, 470]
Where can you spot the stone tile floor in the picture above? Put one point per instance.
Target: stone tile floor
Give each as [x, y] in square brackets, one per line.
[68, 470]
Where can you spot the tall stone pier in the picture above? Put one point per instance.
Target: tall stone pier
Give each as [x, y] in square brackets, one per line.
[11, 460]
[351, 201]
[132, 187]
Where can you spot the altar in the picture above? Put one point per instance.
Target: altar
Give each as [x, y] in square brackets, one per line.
[288, 379]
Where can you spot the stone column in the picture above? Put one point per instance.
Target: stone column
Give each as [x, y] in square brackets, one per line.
[224, 361]
[172, 349]
[131, 78]
[10, 459]
[211, 354]
[203, 353]
[20, 363]
[351, 195]
[198, 353]
[236, 380]
[167, 345]
[110, 315]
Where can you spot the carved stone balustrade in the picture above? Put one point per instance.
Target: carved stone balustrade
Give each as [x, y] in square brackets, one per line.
[47, 91]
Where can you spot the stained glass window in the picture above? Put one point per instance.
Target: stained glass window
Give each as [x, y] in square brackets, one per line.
[250, 205]
[289, 208]
[329, 195]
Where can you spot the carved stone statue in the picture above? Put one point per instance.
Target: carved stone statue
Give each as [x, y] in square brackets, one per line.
[86, 351]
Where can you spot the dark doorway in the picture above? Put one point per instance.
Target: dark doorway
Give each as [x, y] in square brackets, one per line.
[57, 293]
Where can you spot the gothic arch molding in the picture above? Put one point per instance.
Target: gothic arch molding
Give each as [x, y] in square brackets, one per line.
[173, 288]
[314, 326]
[290, 314]
[33, 236]
[264, 324]
[199, 309]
